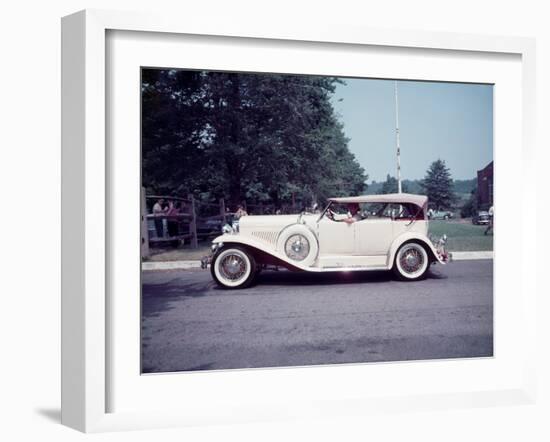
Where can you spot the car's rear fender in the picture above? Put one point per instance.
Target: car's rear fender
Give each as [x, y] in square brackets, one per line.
[413, 237]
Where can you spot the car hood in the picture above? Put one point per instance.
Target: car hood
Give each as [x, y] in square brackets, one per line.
[275, 222]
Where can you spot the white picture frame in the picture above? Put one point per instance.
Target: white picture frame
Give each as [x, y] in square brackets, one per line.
[85, 218]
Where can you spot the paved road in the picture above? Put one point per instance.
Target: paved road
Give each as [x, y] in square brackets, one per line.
[291, 319]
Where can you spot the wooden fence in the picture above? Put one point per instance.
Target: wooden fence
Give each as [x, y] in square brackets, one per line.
[192, 221]
[189, 222]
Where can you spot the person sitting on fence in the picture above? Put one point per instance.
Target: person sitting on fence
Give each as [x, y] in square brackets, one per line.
[159, 211]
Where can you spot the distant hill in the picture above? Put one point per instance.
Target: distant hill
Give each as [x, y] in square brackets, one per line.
[465, 186]
[461, 187]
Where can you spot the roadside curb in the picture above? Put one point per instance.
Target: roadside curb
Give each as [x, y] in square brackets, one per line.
[186, 265]
[170, 265]
[463, 256]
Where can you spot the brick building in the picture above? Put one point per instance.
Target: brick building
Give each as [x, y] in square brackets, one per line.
[485, 187]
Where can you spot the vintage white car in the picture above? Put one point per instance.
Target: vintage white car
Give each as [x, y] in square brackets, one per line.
[359, 233]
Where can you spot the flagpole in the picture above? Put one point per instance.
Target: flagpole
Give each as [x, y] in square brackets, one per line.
[397, 139]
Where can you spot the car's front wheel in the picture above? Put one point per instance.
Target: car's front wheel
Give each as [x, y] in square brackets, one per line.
[411, 262]
[233, 267]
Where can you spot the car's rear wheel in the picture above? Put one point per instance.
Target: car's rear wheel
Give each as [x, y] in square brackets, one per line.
[233, 267]
[411, 262]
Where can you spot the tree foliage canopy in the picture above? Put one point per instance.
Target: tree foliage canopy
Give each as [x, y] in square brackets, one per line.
[390, 186]
[257, 137]
[438, 186]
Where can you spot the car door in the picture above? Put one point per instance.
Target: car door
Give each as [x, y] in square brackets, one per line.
[373, 236]
[336, 238]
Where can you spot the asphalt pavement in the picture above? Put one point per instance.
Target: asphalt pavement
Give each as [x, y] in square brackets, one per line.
[296, 319]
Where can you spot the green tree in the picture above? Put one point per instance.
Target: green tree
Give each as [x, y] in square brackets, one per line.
[390, 186]
[263, 138]
[470, 208]
[438, 186]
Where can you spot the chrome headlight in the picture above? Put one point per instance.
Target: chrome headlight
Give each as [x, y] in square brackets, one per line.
[228, 229]
[297, 247]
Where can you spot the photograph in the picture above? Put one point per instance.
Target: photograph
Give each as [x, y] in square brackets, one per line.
[294, 220]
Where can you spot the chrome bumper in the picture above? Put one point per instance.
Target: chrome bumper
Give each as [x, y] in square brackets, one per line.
[439, 245]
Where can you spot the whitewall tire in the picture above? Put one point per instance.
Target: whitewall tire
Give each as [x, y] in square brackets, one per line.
[233, 267]
[411, 261]
[298, 244]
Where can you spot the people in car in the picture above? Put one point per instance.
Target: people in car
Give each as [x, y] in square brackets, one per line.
[353, 213]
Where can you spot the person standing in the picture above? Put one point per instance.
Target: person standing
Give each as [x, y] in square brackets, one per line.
[159, 211]
[238, 215]
[240, 212]
[491, 220]
[173, 219]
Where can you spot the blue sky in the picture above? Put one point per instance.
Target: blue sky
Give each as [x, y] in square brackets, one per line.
[451, 121]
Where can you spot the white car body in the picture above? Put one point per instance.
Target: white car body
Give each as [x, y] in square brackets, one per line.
[332, 245]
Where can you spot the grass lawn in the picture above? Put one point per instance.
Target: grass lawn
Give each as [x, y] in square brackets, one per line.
[462, 235]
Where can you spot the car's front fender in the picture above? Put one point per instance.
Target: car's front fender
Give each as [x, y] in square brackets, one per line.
[258, 246]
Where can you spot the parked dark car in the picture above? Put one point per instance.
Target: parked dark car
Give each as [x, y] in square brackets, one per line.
[210, 227]
[481, 218]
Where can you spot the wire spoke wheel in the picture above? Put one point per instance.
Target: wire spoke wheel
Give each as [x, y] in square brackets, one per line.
[298, 243]
[233, 268]
[297, 247]
[411, 261]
